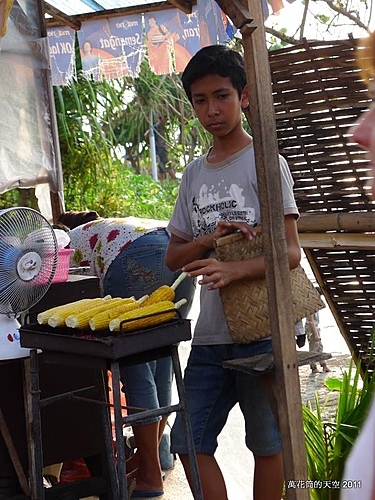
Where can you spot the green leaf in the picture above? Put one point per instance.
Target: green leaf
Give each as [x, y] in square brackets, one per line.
[329, 441]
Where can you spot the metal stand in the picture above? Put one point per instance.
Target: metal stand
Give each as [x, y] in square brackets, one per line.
[138, 417]
[34, 403]
[117, 473]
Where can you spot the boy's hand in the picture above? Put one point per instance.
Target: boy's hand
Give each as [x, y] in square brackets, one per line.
[215, 273]
[224, 227]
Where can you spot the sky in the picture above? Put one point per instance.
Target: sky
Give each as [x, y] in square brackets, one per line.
[290, 18]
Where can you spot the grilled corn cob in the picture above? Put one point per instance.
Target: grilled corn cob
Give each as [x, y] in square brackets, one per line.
[146, 316]
[100, 321]
[67, 309]
[80, 320]
[164, 292]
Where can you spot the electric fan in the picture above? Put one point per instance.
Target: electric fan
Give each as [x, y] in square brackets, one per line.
[28, 260]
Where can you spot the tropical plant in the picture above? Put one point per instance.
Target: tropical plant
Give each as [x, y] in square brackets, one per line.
[102, 124]
[330, 440]
[101, 131]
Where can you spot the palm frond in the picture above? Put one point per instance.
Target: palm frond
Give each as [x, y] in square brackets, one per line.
[329, 441]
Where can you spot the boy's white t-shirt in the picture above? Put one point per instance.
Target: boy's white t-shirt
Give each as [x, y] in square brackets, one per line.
[222, 191]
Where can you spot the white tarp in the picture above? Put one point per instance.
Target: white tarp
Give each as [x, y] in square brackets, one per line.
[27, 156]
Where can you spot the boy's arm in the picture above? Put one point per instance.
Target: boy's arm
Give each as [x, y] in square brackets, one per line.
[217, 274]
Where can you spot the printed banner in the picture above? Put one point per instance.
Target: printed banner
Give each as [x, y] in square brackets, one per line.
[114, 47]
[189, 38]
[62, 54]
[214, 25]
[5, 7]
[278, 5]
[165, 44]
[111, 48]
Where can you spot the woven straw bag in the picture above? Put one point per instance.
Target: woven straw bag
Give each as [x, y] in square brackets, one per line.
[245, 302]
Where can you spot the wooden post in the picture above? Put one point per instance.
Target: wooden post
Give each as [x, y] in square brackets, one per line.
[56, 187]
[262, 121]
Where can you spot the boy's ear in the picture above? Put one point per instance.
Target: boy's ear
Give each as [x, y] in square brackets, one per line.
[245, 100]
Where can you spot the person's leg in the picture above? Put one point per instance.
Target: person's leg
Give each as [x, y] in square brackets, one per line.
[325, 367]
[145, 463]
[314, 368]
[266, 468]
[141, 392]
[212, 480]
[262, 431]
[171, 172]
[132, 463]
[322, 363]
[312, 349]
[163, 381]
[210, 395]
[162, 164]
[149, 475]
[161, 168]
[162, 424]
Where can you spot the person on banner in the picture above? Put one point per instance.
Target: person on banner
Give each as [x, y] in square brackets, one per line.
[159, 48]
[163, 48]
[127, 255]
[360, 465]
[163, 162]
[218, 195]
[180, 47]
[90, 60]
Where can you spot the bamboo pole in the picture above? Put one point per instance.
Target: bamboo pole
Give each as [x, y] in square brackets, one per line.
[360, 222]
[352, 241]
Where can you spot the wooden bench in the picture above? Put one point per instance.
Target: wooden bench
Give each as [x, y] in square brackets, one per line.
[264, 363]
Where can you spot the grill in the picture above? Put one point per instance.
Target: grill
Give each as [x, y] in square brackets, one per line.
[106, 344]
[103, 350]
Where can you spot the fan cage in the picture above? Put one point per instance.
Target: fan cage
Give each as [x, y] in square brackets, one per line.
[28, 259]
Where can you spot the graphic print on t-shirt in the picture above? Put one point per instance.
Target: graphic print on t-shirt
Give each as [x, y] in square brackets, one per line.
[217, 203]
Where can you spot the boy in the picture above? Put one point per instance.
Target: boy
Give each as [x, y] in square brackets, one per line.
[219, 195]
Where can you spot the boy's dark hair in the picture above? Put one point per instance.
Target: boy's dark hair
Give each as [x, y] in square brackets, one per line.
[215, 60]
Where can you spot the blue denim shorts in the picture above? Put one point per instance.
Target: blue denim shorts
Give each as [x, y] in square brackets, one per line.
[138, 270]
[147, 386]
[212, 391]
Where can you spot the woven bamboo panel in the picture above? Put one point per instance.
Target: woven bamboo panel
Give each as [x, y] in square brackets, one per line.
[318, 95]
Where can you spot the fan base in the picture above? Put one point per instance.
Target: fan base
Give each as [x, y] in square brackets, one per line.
[10, 347]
